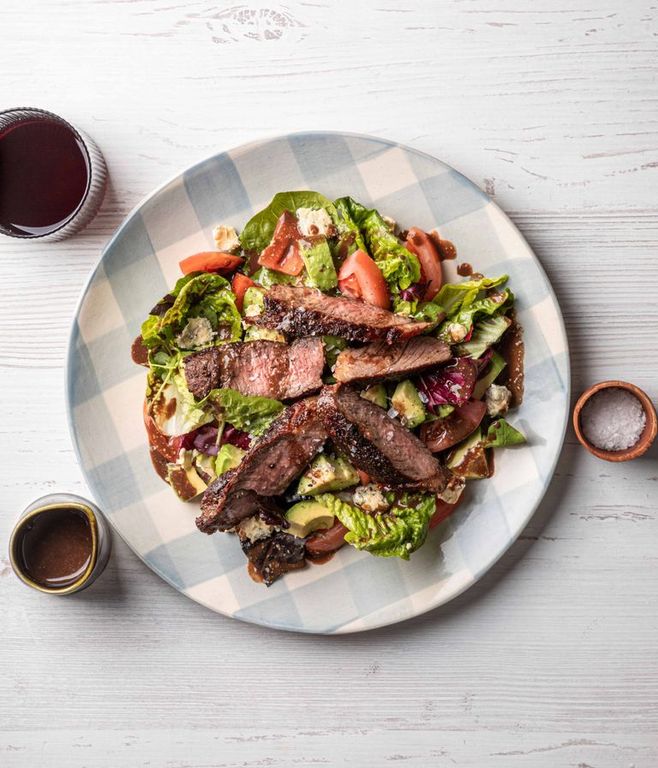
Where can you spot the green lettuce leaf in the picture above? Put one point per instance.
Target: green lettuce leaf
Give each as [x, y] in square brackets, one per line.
[395, 533]
[228, 457]
[186, 414]
[425, 311]
[399, 266]
[485, 333]
[348, 229]
[249, 413]
[454, 297]
[501, 434]
[258, 231]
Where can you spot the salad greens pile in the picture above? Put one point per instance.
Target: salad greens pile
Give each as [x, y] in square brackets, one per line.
[354, 251]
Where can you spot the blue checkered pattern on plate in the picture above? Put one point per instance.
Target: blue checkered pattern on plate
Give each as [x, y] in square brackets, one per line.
[354, 591]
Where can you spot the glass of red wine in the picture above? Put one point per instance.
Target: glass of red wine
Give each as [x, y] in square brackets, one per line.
[52, 176]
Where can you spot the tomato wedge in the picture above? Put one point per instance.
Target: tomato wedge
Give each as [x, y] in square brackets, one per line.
[282, 254]
[442, 434]
[239, 285]
[327, 541]
[210, 261]
[443, 511]
[420, 244]
[360, 278]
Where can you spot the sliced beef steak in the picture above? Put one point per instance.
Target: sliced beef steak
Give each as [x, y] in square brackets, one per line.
[379, 361]
[266, 470]
[272, 557]
[378, 444]
[308, 312]
[265, 368]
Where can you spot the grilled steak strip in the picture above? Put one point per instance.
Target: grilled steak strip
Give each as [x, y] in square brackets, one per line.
[265, 368]
[378, 444]
[379, 361]
[266, 470]
[300, 311]
[272, 557]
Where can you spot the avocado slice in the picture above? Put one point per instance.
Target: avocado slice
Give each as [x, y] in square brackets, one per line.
[229, 457]
[495, 367]
[185, 481]
[253, 302]
[308, 516]
[327, 474]
[406, 401]
[469, 459]
[319, 264]
[376, 394]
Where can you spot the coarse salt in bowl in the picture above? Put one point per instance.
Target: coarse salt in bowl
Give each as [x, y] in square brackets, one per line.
[615, 421]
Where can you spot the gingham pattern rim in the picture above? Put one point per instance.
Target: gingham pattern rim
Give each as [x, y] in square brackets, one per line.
[354, 591]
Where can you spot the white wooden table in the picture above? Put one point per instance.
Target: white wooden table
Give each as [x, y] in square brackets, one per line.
[552, 659]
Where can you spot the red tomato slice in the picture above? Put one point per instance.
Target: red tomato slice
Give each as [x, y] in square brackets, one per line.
[442, 434]
[239, 285]
[210, 261]
[327, 541]
[443, 511]
[360, 278]
[282, 254]
[420, 244]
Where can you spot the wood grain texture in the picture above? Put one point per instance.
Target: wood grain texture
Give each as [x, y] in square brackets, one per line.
[551, 660]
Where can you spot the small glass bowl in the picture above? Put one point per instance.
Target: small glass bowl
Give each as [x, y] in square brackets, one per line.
[648, 433]
[91, 201]
[101, 536]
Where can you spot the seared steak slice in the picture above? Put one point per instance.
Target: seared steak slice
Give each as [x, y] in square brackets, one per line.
[378, 361]
[265, 368]
[272, 557]
[203, 371]
[378, 444]
[308, 312]
[267, 469]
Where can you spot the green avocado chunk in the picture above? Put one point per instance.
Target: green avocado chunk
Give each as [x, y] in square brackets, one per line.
[308, 516]
[469, 459]
[406, 401]
[327, 474]
[376, 393]
[318, 263]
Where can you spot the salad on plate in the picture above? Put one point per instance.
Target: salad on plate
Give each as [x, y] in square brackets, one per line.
[317, 383]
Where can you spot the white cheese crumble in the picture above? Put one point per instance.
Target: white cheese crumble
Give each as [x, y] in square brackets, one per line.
[197, 333]
[313, 221]
[226, 238]
[255, 529]
[391, 223]
[371, 498]
[457, 332]
[498, 399]
[451, 493]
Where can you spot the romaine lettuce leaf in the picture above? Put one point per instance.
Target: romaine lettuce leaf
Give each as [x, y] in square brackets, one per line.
[258, 231]
[348, 229]
[395, 533]
[454, 297]
[399, 266]
[485, 333]
[186, 416]
[426, 311]
[501, 434]
[250, 413]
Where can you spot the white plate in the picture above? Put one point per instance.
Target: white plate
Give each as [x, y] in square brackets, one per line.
[354, 591]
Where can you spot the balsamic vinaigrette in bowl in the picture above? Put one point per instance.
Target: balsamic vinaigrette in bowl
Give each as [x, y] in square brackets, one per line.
[55, 547]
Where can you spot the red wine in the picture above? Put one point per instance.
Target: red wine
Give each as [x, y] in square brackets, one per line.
[44, 176]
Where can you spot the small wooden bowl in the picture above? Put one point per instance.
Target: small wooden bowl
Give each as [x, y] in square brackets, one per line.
[648, 433]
